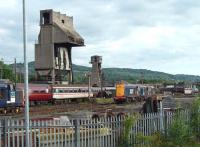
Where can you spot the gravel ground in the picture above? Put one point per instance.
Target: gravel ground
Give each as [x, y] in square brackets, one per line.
[184, 102]
[48, 110]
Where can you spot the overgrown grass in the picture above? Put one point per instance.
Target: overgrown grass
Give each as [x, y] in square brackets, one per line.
[195, 117]
[181, 133]
[128, 123]
[104, 100]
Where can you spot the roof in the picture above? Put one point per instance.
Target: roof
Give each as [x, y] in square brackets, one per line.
[73, 36]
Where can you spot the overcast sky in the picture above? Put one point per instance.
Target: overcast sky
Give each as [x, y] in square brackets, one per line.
[160, 35]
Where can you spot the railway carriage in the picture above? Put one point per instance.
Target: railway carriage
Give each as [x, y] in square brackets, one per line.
[44, 93]
[39, 93]
[61, 92]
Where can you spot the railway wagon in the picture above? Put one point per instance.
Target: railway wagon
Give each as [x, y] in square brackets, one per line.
[10, 99]
[40, 97]
[132, 92]
[40, 93]
[69, 93]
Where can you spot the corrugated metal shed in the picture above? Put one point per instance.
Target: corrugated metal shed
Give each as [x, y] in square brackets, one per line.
[169, 102]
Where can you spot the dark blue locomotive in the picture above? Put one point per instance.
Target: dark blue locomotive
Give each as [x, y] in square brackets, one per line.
[132, 92]
[10, 98]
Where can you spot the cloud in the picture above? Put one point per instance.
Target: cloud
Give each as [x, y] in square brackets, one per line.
[8, 4]
[152, 34]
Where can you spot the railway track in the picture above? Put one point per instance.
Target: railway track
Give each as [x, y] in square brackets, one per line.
[61, 109]
[49, 110]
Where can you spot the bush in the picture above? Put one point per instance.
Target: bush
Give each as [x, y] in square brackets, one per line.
[178, 135]
[125, 137]
[195, 118]
[181, 133]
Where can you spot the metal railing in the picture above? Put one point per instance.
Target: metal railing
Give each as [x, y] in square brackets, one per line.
[102, 132]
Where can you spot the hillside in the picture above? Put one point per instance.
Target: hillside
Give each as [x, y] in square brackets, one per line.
[131, 75]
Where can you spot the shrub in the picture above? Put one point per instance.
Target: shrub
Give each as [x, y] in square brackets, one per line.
[124, 140]
[195, 118]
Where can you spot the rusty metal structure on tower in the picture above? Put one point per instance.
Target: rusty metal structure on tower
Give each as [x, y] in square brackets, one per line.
[53, 52]
[96, 74]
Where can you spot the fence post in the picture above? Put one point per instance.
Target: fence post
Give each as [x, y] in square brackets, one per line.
[165, 122]
[161, 117]
[5, 128]
[77, 133]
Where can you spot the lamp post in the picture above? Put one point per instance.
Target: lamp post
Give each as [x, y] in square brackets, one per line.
[25, 75]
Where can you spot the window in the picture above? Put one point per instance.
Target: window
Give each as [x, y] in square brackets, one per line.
[55, 91]
[63, 21]
[60, 90]
[35, 91]
[66, 91]
[3, 94]
[131, 91]
[42, 91]
[46, 18]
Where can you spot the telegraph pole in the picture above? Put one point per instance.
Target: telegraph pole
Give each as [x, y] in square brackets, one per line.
[25, 75]
[15, 72]
[88, 75]
[20, 75]
[142, 77]
[1, 68]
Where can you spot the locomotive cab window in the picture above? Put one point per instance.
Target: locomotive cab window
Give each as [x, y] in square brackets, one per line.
[131, 91]
[3, 93]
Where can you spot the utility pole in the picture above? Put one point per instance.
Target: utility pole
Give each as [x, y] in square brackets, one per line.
[15, 72]
[25, 75]
[101, 83]
[20, 74]
[89, 85]
[1, 68]
[142, 77]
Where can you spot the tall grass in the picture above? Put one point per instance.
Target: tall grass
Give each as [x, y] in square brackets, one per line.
[130, 120]
[181, 133]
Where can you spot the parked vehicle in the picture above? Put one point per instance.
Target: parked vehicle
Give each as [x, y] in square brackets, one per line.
[70, 93]
[132, 92]
[188, 91]
[10, 99]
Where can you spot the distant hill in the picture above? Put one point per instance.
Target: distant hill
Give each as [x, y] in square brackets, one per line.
[131, 75]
